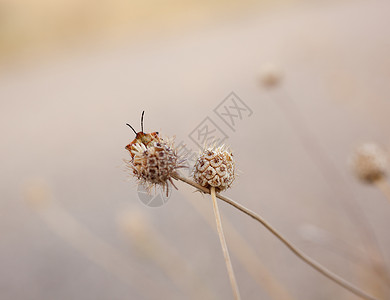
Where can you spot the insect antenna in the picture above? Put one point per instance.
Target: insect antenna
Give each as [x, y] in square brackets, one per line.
[132, 128]
[142, 121]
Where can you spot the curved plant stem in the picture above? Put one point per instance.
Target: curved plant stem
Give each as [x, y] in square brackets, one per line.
[245, 254]
[337, 184]
[324, 271]
[225, 250]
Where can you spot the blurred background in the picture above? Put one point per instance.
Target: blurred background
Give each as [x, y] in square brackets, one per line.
[314, 78]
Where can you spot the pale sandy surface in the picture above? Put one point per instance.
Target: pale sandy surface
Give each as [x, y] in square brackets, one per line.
[62, 123]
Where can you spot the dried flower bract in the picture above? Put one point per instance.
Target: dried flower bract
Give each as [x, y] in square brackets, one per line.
[215, 167]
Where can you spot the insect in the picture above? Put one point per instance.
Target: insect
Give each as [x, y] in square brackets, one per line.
[142, 137]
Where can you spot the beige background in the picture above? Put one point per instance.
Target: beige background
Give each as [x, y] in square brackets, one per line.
[72, 75]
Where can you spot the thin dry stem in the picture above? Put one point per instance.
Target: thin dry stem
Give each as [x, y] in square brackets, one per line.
[324, 271]
[384, 186]
[225, 250]
[247, 256]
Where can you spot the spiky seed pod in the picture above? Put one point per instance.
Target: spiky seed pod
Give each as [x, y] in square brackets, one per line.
[215, 167]
[155, 164]
[369, 162]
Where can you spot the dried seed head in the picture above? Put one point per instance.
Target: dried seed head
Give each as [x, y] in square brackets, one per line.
[155, 164]
[215, 167]
[369, 162]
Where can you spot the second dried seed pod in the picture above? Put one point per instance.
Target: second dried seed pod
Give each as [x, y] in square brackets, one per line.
[215, 167]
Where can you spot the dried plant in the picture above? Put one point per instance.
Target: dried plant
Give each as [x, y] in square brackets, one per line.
[339, 187]
[243, 251]
[305, 258]
[214, 171]
[155, 165]
[369, 162]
